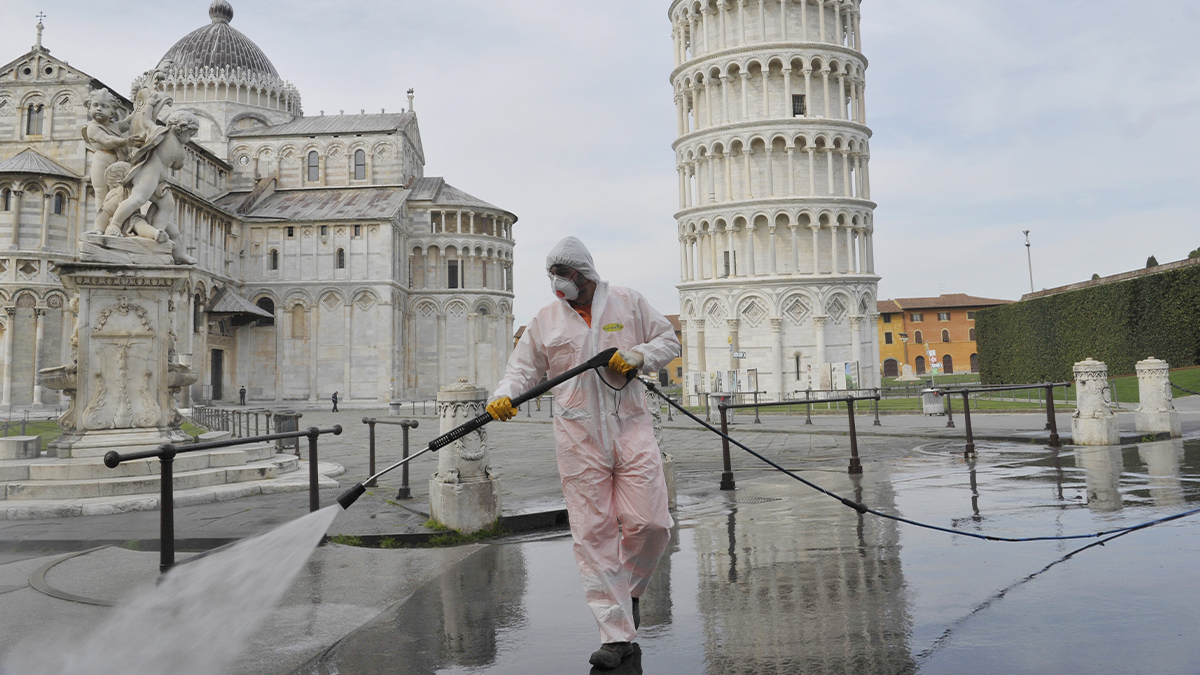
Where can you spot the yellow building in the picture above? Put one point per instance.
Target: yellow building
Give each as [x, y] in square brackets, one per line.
[930, 334]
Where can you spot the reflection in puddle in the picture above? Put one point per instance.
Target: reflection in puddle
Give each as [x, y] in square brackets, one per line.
[783, 580]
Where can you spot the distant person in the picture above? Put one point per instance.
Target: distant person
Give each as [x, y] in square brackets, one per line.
[335, 402]
[609, 462]
[242, 395]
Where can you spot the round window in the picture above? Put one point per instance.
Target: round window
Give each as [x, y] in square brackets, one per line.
[49, 70]
[243, 160]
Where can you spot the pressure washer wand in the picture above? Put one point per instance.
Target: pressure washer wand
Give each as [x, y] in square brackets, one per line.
[599, 360]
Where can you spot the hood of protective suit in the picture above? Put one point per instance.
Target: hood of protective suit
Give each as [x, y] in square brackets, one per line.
[572, 253]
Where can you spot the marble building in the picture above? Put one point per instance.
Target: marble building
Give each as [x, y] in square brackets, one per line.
[326, 259]
[775, 220]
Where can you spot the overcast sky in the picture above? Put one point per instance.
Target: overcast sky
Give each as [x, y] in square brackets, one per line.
[1075, 119]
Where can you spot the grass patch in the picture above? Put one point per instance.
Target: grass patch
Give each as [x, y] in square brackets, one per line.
[346, 540]
[449, 537]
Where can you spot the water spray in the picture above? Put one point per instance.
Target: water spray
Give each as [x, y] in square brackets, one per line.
[598, 361]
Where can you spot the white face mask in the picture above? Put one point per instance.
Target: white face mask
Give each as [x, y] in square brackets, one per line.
[564, 288]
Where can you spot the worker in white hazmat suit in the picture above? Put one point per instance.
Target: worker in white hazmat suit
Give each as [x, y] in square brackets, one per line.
[609, 462]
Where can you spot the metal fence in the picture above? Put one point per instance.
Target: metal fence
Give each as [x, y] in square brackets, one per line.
[244, 422]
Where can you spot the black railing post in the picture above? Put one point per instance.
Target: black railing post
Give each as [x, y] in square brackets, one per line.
[1051, 422]
[878, 395]
[669, 408]
[808, 405]
[707, 409]
[551, 406]
[370, 422]
[166, 507]
[949, 410]
[405, 492]
[726, 475]
[970, 450]
[314, 495]
[855, 465]
[756, 420]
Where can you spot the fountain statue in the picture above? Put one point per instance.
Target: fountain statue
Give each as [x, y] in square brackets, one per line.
[124, 372]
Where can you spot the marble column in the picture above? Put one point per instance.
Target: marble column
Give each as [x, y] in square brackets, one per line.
[39, 335]
[1093, 422]
[819, 324]
[9, 329]
[1156, 412]
[777, 355]
[701, 357]
[734, 343]
[18, 196]
[856, 323]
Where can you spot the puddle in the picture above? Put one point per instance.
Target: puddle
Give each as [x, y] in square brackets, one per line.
[780, 579]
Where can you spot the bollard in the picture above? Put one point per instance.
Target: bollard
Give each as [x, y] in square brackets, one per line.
[970, 450]
[727, 475]
[529, 411]
[855, 465]
[669, 407]
[1051, 422]
[756, 420]
[876, 404]
[808, 405]
[314, 496]
[166, 506]
[552, 407]
[405, 492]
[370, 422]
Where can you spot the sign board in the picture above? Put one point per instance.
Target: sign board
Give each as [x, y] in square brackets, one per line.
[739, 355]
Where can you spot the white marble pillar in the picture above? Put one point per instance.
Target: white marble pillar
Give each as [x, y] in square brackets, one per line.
[18, 197]
[464, 494]
[816, 247]
[766, 90]
[472, 317]
[745, 77]
[1156, 412]
[819, 325]
[773, 250]
[825, 88]
[734, 342]
[856, 323]
[9, 329]
[788, 112]
[701, 356]
[39, 335]
[750, 249]
[812, 170]
[1093, 422]
[725, 98]
[777, 356]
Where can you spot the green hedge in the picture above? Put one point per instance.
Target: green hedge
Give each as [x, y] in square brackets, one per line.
[1118, 323]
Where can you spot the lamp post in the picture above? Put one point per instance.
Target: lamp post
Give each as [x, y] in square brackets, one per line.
[1029, 256]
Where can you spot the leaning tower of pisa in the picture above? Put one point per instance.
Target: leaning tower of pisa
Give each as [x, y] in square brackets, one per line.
[778, 285]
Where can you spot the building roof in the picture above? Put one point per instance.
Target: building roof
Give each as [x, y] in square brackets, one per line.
[219, 45]
[437, 190]
[331, 124]
[359, 203]
[944, 301]
[674, 319]
[32, 161]
[229, 302]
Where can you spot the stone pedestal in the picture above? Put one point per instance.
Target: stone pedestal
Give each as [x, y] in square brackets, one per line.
[1156, 413]
[1093, 422]
[907, 374]
[464, 494]
[124, 376]
[20, 447]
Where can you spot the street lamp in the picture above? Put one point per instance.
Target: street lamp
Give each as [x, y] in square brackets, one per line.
[1029, 256]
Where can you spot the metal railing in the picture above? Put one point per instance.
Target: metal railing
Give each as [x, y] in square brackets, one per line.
[245, 422]
[1048, 387]
[166, 453]
[405, 492]
[727, 482]
[10, 424]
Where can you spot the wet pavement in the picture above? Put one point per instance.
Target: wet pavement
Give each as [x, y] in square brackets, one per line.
[770, 578]
[776, 578]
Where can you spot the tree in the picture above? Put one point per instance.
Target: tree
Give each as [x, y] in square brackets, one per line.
[1095, 277]
[1151, 262]
[1194, 254]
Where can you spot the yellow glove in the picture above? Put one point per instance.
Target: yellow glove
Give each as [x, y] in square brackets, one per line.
[624, 361]
[502, 409]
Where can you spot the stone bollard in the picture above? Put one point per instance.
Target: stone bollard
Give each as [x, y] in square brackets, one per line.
[1093, 422]
[20, 447]
[668, 462]
[464, 494]
[1156, 414]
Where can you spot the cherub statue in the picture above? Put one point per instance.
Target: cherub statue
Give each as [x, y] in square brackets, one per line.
[136, 225]
[163, 151]
[148, 104]
[107, 137]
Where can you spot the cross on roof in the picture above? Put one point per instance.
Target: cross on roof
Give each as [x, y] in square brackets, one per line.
[40, 16]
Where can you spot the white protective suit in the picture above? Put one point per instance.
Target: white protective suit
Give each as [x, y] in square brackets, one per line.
[609, 462]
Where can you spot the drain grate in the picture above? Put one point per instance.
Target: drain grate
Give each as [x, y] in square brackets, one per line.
[757, 500]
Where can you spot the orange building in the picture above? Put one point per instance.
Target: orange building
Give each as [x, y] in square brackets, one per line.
[930, 334]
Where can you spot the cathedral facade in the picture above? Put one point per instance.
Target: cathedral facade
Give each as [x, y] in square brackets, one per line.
[326, 260]
[775, 221]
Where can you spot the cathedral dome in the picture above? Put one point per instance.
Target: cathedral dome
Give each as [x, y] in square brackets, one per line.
[221, 47]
